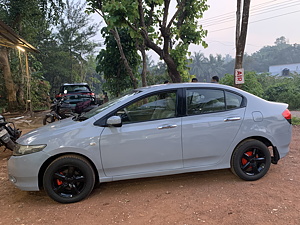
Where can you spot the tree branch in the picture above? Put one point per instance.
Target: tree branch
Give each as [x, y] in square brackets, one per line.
[175, 15]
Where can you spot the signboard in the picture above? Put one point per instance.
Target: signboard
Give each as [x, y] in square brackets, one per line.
[239, 76]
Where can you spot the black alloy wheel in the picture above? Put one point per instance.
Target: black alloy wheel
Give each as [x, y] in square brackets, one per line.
[251, 160]
[69, 179]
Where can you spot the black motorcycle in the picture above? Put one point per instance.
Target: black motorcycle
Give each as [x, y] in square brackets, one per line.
[69, 106]
[8, 134]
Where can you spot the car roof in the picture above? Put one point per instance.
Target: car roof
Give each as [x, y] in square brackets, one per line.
[186, 85]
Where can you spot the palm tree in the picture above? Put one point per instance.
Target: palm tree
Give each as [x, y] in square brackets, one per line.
[198, 66]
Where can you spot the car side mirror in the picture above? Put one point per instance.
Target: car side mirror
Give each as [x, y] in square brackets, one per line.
[114, 121]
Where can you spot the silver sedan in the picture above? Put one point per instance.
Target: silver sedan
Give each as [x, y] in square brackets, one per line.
[153, 131]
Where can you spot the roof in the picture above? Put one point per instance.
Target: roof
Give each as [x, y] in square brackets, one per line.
[11, 39]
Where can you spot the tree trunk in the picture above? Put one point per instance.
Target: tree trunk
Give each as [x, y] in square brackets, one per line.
[9, 83]
[172, 69]
[164, 54]
[124, 59]
[144, 71]
[165, 31]
[241, 32]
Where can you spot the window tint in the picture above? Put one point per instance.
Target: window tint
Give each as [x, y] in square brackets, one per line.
[204, 101]
[75, 88]
[158, 106]
[233, 101]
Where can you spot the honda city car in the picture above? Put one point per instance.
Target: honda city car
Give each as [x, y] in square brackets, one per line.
[153, 131]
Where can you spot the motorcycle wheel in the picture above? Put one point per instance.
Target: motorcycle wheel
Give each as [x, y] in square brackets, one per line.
[48, 119]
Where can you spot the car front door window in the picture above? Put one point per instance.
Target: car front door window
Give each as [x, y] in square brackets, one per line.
[157, 106]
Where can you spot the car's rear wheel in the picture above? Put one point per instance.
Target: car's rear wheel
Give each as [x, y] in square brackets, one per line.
[251, 160]
[69, 179]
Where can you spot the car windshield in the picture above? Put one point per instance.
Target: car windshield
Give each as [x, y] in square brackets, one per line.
[106, 105]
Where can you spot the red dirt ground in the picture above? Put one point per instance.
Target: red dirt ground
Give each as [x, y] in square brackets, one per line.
[213, 197]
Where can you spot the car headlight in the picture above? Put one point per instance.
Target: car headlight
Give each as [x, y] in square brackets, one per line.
[27, 149]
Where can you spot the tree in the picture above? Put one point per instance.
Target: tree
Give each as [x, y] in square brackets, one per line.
[174, 34]
[110, 61]
[241, 31]
[22, 16]
[205, 68]
[74, 36]
[197, 66]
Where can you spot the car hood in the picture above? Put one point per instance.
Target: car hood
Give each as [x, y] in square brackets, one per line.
[51, 132]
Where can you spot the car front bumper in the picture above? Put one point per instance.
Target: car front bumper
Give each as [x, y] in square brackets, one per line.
[23, 170]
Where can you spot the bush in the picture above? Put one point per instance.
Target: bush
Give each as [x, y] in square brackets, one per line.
[251, 83]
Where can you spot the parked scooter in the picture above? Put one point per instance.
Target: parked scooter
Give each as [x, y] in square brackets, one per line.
[8, 134]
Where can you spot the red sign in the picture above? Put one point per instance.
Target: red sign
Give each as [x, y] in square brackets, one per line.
[239, 76]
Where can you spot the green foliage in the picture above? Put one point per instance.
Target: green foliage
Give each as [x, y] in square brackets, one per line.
[40, 93]
[65, 54]
[295, 120]
[152, 22]
[205, 68]
[271, 88]
[157, 74]
[285, 90]
[179, 56]
[62, 56]
[251, 85]
[110, 63]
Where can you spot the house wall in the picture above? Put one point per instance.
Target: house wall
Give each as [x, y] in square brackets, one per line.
[277, 69]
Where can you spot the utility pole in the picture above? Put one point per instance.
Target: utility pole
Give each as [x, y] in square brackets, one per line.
[240, 39]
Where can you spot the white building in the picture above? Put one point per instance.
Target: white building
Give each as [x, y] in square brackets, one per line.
[284, 70]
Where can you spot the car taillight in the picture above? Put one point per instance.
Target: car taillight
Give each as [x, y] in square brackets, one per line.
[287, 115]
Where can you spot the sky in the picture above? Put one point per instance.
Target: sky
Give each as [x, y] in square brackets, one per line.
[268, 20]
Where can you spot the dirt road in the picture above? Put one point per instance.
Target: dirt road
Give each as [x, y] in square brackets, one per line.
[214, 197]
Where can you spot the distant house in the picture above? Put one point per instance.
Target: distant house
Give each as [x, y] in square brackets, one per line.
[284, 70]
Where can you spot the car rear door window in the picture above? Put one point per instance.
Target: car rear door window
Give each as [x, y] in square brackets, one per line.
[233, 100]
[201, 101]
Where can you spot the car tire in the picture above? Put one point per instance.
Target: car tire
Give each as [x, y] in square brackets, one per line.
[251, 160]
[69, 179]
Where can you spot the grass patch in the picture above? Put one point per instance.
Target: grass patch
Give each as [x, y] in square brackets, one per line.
[295, 120]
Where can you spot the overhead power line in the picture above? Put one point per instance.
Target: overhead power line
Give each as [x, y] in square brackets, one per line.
[285, 14]
[255, 10]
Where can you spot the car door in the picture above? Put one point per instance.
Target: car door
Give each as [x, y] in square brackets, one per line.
[213, 119]
[148, 140]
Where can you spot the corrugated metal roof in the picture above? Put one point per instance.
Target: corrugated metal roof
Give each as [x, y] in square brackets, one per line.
[9, 38]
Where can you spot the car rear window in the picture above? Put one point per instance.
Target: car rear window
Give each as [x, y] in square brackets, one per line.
[75, 88]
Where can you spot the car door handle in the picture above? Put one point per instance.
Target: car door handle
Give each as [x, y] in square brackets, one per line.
[232, 119]
[166, 126]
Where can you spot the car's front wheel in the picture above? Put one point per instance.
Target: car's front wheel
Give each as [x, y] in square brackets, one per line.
[251, 160]
[69, 179]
